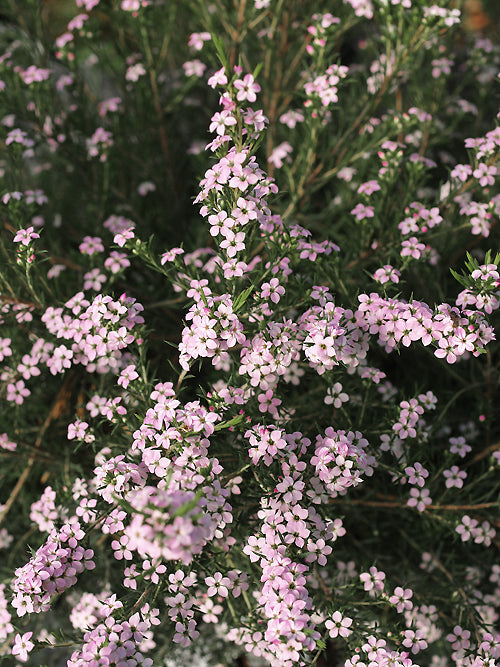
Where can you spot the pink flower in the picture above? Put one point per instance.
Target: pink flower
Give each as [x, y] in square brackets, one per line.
[218, 585]
[170, 255]
[441, 66]
[22, 646]
[417, 474]
[338, 625]
[412, 248]
[34, 74]
[446, 349]
[272, 290]
[5, 443]
[291, 118]
[485, 174]
[25, 236]
[336, 396]
[218, 79]
[88, 4]
[401, 598]
[459, 446]
[17, 392]
[267, 402]
[461, 172]
[197, 40]
[17, 136]
[361, 212]
[420, 498]
[133, 5]
[373, 580]
[386, 273]
[145, 187]
[280, 154]
[5, 350]
[77, 430]
[368, 188]
[454, 477]
[93, 280]
[414, 640]
[194, 68]
[233, 243]
[98, 144]
[116, 262]
[466, 528]
[220, 121]
[247, 88]
[128, 375]
[185, 634]
[91, 245]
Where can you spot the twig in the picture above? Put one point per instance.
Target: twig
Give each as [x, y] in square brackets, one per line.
[486, 452]
[397, 504]
[460, 590]
[54, 413]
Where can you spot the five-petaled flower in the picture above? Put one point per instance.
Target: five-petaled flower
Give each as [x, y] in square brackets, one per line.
[22, 646]
[25, 236]
[338, 625]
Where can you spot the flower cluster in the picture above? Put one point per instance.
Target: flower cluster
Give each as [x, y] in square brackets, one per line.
[52, 569]
[99, 330]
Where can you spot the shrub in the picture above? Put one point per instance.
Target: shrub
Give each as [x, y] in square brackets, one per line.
[248, 392]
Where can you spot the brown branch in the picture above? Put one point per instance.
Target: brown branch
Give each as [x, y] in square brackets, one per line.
[55, 412]
[159, 113]
[486, 452]
[397, 504]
